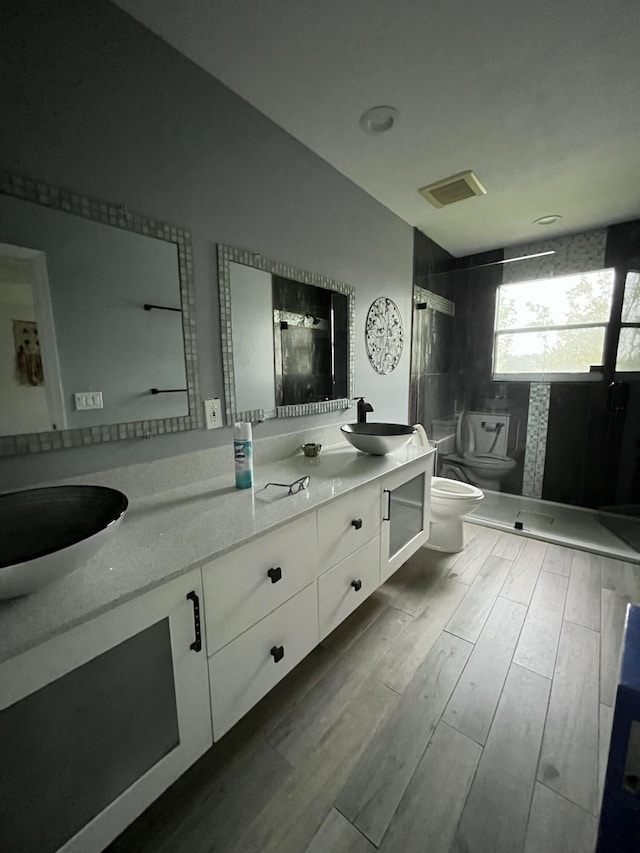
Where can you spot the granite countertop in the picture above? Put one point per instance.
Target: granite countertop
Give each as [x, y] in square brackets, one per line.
[173, 531]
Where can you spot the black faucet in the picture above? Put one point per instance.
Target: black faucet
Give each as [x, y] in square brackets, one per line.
[363, 408]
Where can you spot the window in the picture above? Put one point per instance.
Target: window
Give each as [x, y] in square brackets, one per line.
[553, 326]
[628, 358]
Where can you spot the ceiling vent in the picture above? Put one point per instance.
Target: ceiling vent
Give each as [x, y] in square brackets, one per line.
[453, 189]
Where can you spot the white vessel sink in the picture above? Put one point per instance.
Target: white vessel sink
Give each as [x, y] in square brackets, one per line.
[377, 439]
[47, 533]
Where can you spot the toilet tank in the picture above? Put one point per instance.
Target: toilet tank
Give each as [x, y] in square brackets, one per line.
[485, 426]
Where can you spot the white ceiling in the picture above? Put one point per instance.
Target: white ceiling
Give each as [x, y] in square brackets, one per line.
[541, 99]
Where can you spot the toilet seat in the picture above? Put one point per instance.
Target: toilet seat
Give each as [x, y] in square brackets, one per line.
[489, 460]
[454, 490]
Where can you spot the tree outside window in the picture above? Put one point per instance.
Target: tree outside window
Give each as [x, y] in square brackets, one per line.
[552, 326]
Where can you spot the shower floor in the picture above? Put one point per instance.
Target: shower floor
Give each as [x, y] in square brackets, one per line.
[572, 526]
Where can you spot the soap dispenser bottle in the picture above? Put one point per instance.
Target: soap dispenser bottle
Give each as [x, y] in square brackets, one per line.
[243, 454]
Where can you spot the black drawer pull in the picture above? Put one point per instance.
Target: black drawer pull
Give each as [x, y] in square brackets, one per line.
[387, 517]
[278, 653]
[275, 574]
[357, 585]
[357, 523]
[196, 646]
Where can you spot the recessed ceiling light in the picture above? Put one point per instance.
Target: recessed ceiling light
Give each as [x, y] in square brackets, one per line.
[549, 219]
[379, 119]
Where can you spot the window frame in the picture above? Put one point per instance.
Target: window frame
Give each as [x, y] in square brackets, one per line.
[595, 372]
[625, 375]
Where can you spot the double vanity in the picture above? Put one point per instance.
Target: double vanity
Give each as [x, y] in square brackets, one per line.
[115, 678]
[118, 677]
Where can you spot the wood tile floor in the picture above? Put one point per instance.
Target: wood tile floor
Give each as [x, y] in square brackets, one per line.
[464, 708]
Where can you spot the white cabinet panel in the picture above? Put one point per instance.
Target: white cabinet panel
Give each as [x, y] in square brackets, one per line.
[241, 587]
[345, 586]
[347, 523]
[98, 721]
[246, 669]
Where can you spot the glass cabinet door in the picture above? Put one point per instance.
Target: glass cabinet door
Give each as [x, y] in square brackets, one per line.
[405, 527]
[98, 721]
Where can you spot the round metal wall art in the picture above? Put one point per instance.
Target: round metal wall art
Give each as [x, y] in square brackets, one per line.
[384, 335]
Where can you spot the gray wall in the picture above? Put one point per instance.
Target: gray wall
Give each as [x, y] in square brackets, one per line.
[97, 104]
[99, 278]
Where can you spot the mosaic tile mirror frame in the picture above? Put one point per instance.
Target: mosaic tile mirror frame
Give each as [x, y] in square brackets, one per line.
[119, 217]
[228, 255]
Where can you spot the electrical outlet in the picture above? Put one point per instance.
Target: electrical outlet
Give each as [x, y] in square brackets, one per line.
[212, 415]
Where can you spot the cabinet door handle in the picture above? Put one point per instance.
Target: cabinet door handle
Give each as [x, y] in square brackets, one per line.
[278, 653]
[196, 646]
[357, 585]
[275, 574]
[387, 517]
[357, 523]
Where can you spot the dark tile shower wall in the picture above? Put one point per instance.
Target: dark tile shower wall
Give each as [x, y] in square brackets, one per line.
[430, 259]
[452, 357]
[476, 283]
[593, 453]
[432, 353]
[590, 448]
[430, 393]
[475, 298]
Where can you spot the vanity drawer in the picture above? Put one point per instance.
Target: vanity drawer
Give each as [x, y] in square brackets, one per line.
[244, 585]
[345, 586]
[347, 523]
[245, 670]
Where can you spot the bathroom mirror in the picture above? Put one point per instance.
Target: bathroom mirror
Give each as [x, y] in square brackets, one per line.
[96, 328]
[287, 338]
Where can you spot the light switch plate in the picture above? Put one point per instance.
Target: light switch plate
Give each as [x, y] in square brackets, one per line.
[85, 400]
[212, 414]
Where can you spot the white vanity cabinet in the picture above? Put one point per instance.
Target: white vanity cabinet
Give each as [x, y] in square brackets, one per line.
[270, 601]
[348, 554]
[346, 523]
[345, 586]
[261, 607]
[406, 499]
[246, 669]
[252, 580]
[96, 722]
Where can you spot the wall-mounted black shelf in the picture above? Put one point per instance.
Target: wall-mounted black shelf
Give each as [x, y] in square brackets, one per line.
[148, 306]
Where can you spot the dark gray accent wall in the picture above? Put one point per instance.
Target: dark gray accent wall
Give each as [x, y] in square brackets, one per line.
[93, 102]
[430, 394]
[593, 450]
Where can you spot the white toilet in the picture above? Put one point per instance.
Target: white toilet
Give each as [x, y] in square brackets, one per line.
[451, 500]
[485, 470]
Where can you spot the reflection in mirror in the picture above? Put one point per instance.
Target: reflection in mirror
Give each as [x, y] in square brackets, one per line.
[287, 338]
[30, 387]
[96, 336]
[310, 338]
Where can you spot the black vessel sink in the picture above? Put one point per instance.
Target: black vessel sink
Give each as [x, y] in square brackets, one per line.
[47, 533]
[377, 439]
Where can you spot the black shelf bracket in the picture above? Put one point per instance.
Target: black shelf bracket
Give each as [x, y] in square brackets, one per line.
[148, 306]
